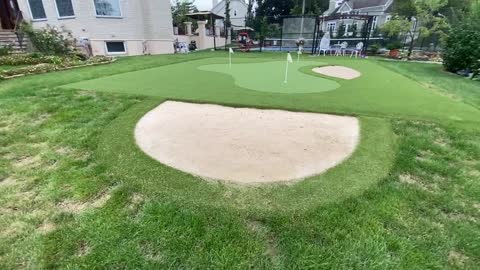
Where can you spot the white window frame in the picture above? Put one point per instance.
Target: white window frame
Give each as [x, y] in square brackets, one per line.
[31, 13]
[64, 17]
[108, 16]
[334, 24]
[116, 53]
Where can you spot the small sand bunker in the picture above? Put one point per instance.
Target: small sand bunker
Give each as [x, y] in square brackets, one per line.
[245, 145]
[338, 72]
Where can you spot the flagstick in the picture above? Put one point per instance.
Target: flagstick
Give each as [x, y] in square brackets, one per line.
[286, 74]
[230, 58]
[298, 57]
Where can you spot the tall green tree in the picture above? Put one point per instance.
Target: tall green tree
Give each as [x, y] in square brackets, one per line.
[180, 9]
[312, 7]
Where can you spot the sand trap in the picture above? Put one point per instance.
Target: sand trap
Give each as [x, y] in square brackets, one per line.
[245, 145]
[338, 72]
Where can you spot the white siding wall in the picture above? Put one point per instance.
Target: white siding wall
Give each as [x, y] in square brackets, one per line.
[143, 22]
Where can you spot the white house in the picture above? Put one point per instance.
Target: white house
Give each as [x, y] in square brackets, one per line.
[113, 27]
[238, 11]
[380, 9]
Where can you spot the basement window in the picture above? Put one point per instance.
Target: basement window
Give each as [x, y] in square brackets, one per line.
[115, 47]
[37, 10]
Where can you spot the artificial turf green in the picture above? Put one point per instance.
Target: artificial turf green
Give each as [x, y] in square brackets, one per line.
[407, 199]
[270, 77]
[378, 92]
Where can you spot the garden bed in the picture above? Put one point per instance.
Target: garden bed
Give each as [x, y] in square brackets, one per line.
[22, 65]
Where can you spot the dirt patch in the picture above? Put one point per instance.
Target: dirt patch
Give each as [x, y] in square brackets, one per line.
[8, 182]
[79, 207]
[341, 72]
[83, 249]
[246, 145]
[271, 248]
[457, 259]
[415, 181]
[46, 227]
[27, 162]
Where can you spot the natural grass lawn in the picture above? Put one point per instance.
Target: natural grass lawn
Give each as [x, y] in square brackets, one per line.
[75, 192]
[432, 76]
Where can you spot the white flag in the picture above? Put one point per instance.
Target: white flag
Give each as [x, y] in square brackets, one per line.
[230, 50]
[289, 58]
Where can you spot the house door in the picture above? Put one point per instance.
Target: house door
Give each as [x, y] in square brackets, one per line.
[8, 14]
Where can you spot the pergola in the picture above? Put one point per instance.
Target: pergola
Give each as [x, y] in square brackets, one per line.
[210, 16]
[367, 19]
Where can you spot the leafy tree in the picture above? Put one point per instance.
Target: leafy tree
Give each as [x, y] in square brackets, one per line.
[461, 47]
[354, 30]
[418, 15]
[312, 7]
[180, 9]
[341, 30]
[274, 9]
[228, 21]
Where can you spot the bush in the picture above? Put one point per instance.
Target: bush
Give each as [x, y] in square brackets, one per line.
[374, 48]
[57, 63]
[49, 41]
[6, 50]
[462, 46]
[394, 45]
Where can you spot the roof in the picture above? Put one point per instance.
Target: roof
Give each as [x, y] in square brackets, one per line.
[204, 15]
[357, 4]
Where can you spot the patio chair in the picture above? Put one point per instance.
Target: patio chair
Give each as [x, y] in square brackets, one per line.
[357, 50]
[325, 44]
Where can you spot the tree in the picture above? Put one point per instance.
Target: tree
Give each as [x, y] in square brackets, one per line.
[312, 7]
[180, 9]
[341, 30]
[461, 46]
[228, 22]
[274, 9]
[418, 18]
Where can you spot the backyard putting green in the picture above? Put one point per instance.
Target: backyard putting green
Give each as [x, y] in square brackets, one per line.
[270, 76]
[378, 92]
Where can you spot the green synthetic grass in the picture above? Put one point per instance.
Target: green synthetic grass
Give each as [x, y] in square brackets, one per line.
[379, 92]
[270, 77]
[75, 191]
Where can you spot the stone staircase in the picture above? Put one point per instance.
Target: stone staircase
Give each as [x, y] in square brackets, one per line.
[9, 38]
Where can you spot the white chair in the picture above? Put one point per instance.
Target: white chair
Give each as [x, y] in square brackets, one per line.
[325, 44]
[357, 50]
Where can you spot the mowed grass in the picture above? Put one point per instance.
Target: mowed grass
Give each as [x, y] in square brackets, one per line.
[75, 192]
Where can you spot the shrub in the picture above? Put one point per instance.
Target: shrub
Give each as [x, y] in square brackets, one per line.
[394, 45]
[374, 48]
[6, 50]
[49, 41]
[462, 46]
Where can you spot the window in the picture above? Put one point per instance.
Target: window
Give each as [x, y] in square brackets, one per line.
[37, 10]
[108, 8]
[115, 47]
[65, 8]
[331, 26]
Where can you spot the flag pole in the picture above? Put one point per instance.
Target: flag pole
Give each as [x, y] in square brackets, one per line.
[286, 74]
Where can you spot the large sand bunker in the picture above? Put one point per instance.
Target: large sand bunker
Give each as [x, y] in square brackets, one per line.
[338, 72]
[245, 145]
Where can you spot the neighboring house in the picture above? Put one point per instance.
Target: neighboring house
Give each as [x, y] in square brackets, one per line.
[113, 27]
[380, 9]
[238, 11]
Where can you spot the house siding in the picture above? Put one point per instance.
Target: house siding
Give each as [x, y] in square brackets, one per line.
[145, 25]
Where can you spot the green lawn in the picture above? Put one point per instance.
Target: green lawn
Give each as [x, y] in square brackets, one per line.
[76, 192]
